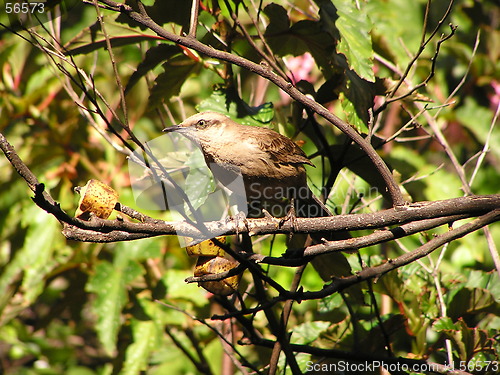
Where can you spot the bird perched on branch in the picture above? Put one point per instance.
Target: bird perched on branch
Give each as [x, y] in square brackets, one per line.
[272, 167]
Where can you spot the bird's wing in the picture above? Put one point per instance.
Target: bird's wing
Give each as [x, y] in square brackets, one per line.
[281, 149]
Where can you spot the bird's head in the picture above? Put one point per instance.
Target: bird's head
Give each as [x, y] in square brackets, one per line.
[202, 126]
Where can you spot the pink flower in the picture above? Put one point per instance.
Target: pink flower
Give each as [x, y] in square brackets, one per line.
[495, 97]
[300, 67]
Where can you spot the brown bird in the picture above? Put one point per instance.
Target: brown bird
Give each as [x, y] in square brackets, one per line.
[272, 165]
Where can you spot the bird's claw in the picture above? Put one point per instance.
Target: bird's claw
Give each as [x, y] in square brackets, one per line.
[292, 217]
[240, 217]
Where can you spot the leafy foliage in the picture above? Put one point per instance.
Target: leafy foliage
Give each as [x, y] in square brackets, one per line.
[87, 308]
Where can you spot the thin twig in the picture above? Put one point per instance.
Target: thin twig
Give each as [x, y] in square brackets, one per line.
[274, 325]
[364, 357]
[109, 48]
[376, 272]
[216, 331]
[493, 123]
[275, 63]
[285, 315]
[432, 70]
[420, 252]
[421, 48]
[198, 363]
[193, 23]
[268, 58]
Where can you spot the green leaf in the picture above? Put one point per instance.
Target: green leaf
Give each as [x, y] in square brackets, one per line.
[264, 113]
[179, 290]
[119, 41]
[484, 280]
[165, 11]
[303, 36]
[466, 340]
[177, 70]
[355, 41]
[278, 19]
[351, 115]
[308, 332]
[360, 93]
[472, 301]
[253, 116]
[199, 182]
[42, 81]
[128, 254]
[36, 258]
[108, 283]
[39, 246]
[443, 324]
[145, 335]
[330, 303]
[478, 119]
[397, 25]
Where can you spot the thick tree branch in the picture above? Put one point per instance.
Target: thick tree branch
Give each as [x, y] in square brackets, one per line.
[107, 230]
[99, 230]
[407, 258]
[357, 243]
[388, 362]
[340, 284]
[330, 246]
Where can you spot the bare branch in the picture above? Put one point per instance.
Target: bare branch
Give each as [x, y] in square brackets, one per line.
[434, 59]
[268, 57]
[340, 284]
[362, 356]
[109, 48]
[469, 206]
[99, 230]
[421, 49]
[407, 258]
[193, 23]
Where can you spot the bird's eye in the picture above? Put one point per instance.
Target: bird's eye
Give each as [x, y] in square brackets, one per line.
[201, 124]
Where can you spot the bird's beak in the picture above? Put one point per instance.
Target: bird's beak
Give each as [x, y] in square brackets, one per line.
[174, 128]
